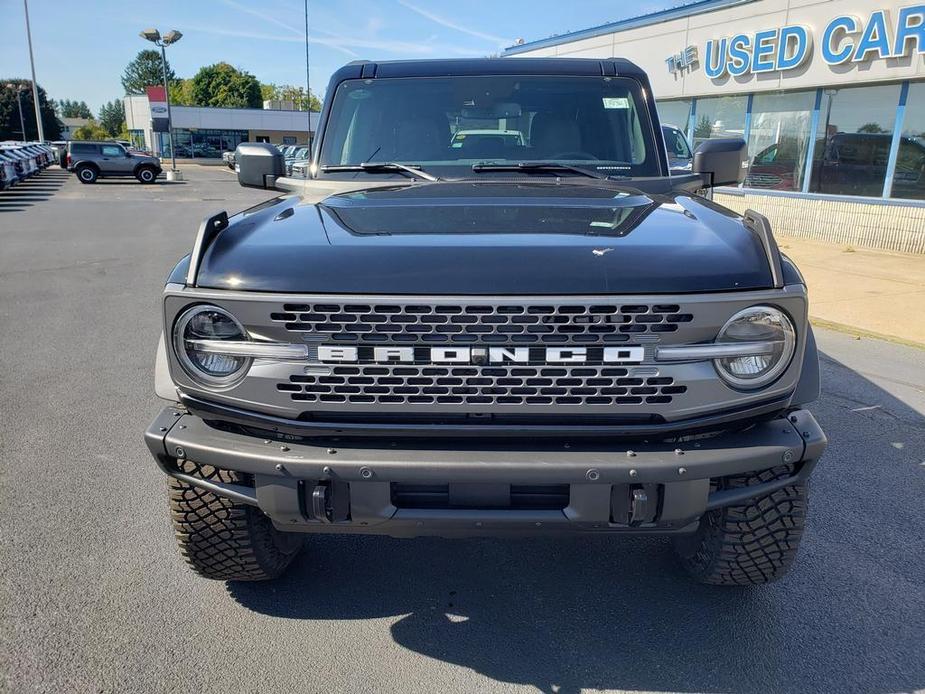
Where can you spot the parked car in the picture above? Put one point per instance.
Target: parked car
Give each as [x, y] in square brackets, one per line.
[300, 154]
[28, 161]
[843, 164]
[59, 148]
[93, 160]
[680, 157]
[302, 169]
[564, 340]
[486, 142]
[9, 175]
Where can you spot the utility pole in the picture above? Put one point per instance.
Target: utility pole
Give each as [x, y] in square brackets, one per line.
[35, 88]
[308, 84]
[173, 150]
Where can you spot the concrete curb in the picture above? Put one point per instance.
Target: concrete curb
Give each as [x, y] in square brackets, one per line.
[859, 333]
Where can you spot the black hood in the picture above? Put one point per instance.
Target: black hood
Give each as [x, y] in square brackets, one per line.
[492, 237]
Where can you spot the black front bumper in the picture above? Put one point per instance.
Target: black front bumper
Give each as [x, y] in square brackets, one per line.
[364, 486]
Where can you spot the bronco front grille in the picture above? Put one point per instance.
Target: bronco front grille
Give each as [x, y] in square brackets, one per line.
[482, 323]
[396, 384]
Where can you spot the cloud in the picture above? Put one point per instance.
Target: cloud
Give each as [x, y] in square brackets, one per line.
[442, 21]
[265, 17]
[257, 36]
[328, 39]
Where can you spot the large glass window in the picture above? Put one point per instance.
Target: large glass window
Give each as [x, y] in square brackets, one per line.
[722, 116]
[676, 112]
[444, 123]
[852, 144]
[137, 138]
[778, 140]
[205, 143]
[909, 179]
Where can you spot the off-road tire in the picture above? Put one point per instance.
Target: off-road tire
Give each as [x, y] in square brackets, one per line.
[750, 544]
[222, 539]
[87, 173]
[146, 174]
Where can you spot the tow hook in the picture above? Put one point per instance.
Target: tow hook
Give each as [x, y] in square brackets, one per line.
[641, 508]
[330, 502]
[634, 504]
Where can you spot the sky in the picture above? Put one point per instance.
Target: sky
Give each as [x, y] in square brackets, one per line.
[81, 48]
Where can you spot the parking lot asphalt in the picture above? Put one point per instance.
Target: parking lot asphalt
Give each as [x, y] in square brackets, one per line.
[96, 599]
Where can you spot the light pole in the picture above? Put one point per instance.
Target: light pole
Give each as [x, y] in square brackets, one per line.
[22, 123]
[35, 87]
[154, 36]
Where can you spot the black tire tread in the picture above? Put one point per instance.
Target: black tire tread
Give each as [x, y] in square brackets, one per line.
[92, 167]
[146, 167]
[749, 544]
[222, 539]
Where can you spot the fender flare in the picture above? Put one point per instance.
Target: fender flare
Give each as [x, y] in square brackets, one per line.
[808, 387]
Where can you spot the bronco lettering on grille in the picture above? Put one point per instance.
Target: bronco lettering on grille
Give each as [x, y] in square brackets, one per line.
[483, 355]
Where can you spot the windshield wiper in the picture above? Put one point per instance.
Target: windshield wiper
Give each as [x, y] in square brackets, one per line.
[381, 167]
[534, 166]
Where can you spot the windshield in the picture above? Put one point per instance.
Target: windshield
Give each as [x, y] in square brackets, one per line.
[598, 123]
[676, 143]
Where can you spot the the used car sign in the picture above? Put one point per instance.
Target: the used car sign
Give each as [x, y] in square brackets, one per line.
[846, 38]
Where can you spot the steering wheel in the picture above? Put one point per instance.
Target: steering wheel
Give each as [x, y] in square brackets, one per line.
[577, 154]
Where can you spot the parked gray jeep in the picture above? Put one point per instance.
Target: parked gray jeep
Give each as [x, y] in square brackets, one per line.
[93, 160]
[448, 336]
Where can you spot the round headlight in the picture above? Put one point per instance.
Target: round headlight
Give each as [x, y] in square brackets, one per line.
[191, 334]
[757, 324]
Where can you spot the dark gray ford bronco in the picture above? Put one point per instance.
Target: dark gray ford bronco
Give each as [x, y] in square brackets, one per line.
[93, 160]
[445, 335]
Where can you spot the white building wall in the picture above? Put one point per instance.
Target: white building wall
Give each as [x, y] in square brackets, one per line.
[138, 117]
[649, 46]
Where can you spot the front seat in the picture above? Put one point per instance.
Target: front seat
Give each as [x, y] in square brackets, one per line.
[552, 134]
[422, 138]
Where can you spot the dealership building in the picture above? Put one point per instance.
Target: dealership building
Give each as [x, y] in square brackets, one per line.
[829, 95]
[204, 133]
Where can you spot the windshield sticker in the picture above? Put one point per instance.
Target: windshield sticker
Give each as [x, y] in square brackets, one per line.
[612, 102]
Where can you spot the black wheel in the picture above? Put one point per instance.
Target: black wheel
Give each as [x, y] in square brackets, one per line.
[87, 174]
[146, 174]
[751, 544]
[222, 539]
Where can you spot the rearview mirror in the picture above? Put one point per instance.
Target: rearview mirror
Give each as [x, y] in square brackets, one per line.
[258, 164]
[724, 162]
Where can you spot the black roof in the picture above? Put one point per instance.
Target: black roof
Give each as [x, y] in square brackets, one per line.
[488, 66]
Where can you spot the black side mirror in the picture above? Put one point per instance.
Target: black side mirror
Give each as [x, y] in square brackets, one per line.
[259, 165]
[723, 162]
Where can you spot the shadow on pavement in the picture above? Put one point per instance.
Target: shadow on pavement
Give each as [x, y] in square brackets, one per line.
[33, 190]
[134, 182]
[580, 613]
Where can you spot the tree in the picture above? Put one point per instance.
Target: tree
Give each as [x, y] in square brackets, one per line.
[9, 112]
[268, 91]
[288, 92]
[181, 93]
[225, 86]
[73, 109]
[703, 129]
[145, 71]
[112, 116]
[91, 131]
[871, 128]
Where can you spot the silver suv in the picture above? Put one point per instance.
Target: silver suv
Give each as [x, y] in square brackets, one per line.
[92, 160]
